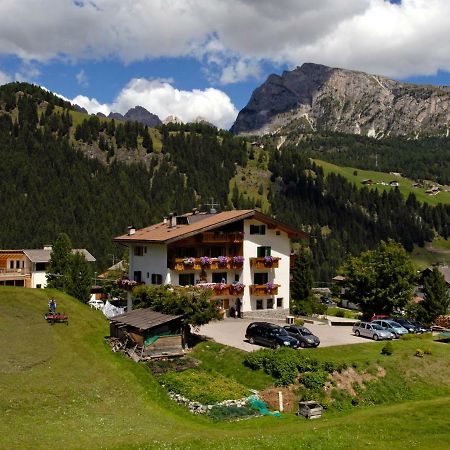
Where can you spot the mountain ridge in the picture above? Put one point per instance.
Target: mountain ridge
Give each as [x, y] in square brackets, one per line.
[316, 97]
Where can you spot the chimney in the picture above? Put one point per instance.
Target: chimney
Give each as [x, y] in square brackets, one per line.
[164, 220]
[173, 220]
[194, 211]
[48, 247]
[131, 230]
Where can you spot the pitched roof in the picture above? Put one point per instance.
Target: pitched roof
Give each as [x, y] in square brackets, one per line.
[144, 318]
[200, 222]
[43, 255]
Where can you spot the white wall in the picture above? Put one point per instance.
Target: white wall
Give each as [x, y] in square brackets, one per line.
[39, 278]
[280, 245]
[154, 260]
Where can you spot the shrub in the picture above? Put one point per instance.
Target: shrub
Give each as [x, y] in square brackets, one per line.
[388, 349]
[255, 360]
[330, 366]
[299, 322]
[419, 353]
[340, 313]
[283, 366]
[314, 380]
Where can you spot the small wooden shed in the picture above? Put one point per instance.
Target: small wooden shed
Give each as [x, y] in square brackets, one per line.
[156, 333]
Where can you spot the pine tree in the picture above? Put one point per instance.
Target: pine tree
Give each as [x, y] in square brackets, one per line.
[147, 141]
[59, 262]
[302, 279]
[436, 299]
[79, 277]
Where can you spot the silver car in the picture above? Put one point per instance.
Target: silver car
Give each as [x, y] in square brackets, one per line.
[371, 330]
[390, 325]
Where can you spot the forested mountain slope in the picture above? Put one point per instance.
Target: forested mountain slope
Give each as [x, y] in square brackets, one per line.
[91, 177]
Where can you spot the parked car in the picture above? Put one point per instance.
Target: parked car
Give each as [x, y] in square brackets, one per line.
[378, 317]
[421, 328]
[406, 323]
[327, 301]
[269, 335]
[394, 327]
[303, 335]
[371, 330]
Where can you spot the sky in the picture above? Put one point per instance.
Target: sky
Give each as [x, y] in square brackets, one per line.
[204, 58]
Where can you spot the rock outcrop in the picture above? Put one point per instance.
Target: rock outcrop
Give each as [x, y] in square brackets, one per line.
[316, 97]
[137, 114]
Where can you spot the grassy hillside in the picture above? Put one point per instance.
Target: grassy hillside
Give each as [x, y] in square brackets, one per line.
[62, 387]
[405, 184]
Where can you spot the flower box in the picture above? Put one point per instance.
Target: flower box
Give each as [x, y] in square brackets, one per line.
[265, 262]
[264, 289]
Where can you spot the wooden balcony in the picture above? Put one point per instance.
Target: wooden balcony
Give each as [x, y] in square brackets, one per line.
[222, 289]
[263, 289]
[211, 237]
[264, 262]
[181, 264]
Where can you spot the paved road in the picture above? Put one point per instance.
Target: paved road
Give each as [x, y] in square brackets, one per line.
[232, 332]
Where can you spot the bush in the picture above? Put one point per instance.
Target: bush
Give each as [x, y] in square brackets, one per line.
[388, 349]
[255, 360]
[340, 313]
[201, 386]
[330, 366]
[299, 322]
[314, 381]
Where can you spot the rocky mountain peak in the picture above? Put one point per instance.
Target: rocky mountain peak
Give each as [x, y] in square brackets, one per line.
[316, 97]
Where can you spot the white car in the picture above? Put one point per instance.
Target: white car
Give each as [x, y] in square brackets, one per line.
[96, 304]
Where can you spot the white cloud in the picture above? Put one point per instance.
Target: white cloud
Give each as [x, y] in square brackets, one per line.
[82, 78]
[161, 98]
[4, 78]
[232, 36]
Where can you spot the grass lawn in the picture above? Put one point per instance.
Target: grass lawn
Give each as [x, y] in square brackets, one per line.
[62, 387]
[348, 313]
[437, 251]
[405, 184]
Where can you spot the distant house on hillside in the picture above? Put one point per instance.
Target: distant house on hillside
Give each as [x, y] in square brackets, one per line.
[394, 183]
[444, 270]
[242, 255]
[28, 267]
[367, 182]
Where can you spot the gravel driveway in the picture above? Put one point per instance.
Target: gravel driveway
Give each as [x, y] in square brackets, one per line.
[232, 332]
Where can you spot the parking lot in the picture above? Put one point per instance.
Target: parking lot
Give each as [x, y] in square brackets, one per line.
[232, 332]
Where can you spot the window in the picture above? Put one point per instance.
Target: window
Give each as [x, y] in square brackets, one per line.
[257, 229]
[139, 250]
[157, 278]
[260, 278]
[263, 251]
[186, 279]
[219, 277]
[11, 264]
[217, 251]
[41, 266]
[17, 264]
[236, 277]
[259, 304]
[137, 276]
[38, 286]
[270, 303]
[279, 302]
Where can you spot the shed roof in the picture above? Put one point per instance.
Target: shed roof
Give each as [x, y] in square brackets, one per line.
[144, 318]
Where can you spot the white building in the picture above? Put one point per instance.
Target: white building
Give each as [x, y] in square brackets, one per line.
[28, 268]
[243, 255]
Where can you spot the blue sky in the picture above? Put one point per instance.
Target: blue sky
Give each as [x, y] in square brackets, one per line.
[204, 58]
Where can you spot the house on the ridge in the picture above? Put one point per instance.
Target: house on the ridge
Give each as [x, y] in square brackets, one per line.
[28, 267]
[243, 255]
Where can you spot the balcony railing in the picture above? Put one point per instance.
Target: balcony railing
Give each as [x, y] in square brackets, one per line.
[264, 289]
[220, 289]
[204, 263]
[211, 237]
[265, 262]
